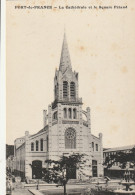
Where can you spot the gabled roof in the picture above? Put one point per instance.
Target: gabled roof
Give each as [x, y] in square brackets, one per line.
[41, 131]
[95, 136]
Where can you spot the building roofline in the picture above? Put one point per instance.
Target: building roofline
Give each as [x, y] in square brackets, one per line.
[20, 138]
[119, 148]
[41, 131]
[95, 136]
[20, 145]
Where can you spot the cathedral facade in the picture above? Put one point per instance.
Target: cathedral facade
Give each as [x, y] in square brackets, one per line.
[66, 131]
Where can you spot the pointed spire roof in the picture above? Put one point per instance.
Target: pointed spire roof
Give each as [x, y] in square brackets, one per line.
[65, 62]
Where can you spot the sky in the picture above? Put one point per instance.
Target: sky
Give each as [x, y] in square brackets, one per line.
[102, 49]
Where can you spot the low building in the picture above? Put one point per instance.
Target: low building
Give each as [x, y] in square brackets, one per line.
[116, 170]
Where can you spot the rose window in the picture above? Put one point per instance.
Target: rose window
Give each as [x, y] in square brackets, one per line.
[70, 138]
[70, 134]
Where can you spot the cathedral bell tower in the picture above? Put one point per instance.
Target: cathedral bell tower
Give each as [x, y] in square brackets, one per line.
[65, 80]
[68, 133]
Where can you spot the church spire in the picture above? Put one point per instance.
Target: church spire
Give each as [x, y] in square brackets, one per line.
[65, 62]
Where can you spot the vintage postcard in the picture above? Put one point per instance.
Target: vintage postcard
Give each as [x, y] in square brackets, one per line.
[70, 96]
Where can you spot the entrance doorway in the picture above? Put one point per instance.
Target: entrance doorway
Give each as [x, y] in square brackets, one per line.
[71, 173]
[94, 168]
[36, 169]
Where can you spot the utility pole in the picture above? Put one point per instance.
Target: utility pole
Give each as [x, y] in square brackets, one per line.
[64, 184]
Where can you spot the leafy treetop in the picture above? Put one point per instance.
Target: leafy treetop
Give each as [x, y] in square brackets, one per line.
[122, 157]
[56, 172]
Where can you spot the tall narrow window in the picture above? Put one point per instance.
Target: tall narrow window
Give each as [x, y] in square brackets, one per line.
[32, 146]
[72, 90]
[55, 115]
[93, 146]
[70, 138]
[65, 89]
[41, 144]
[55, 91]
[57, 94]
[65, 113]
[47, 144]
[36, 145]
[96, 147]
[74, 113]
[69, 113]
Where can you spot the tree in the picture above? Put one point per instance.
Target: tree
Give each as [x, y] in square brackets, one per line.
[58, 170]
[9, 150]
[122, 157]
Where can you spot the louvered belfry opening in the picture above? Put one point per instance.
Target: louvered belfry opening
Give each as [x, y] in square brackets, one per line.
[65, 89]
[72, 90]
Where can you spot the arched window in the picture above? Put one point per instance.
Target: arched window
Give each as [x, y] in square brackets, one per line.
[96, 147]
[72, 90]
[74, 113]
[41, 144]
[47, 144]
[65, 113]
[93, 146]
[36, 145]
[70, 138]
[32, 146]
[65, 89]
[69, 113]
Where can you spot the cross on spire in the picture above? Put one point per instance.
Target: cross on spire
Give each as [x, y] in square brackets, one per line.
[65, 62]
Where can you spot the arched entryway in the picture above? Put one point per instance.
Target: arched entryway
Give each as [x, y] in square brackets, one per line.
[36, 169]
[71, 173]
[94, 168]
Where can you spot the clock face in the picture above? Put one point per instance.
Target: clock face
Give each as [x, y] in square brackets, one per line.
[70, 133]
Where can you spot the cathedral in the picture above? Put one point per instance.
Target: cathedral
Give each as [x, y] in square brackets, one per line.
[66, 131]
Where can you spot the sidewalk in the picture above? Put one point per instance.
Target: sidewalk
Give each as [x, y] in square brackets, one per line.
[21, 192]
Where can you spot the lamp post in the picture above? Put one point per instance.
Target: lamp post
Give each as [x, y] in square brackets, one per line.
[64, 178]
